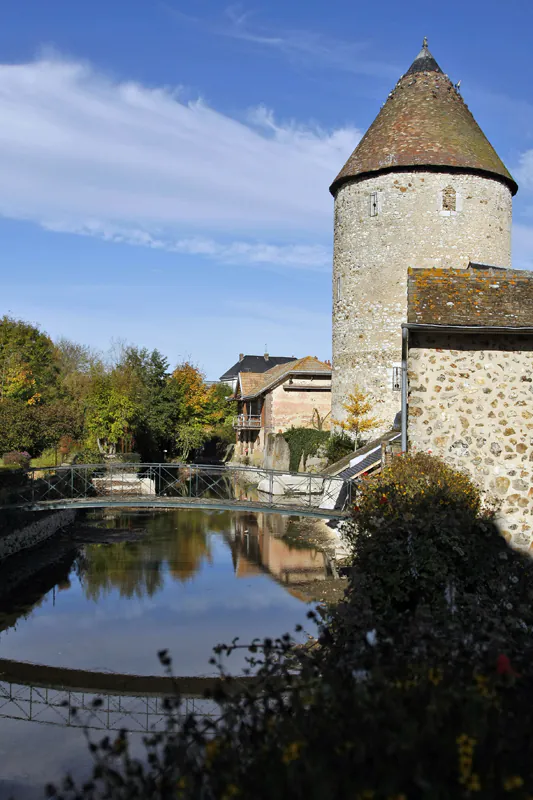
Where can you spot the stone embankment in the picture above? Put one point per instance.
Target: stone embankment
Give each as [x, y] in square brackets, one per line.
[32, 533]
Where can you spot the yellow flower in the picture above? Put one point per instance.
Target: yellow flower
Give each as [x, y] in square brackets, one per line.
[435, 676]
[211, 749]
[473, 783]
[513, 782]
[291, 752]
[231, 791]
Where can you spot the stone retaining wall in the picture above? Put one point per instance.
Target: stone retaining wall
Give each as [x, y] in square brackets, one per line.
[471, 402]
[44, 526]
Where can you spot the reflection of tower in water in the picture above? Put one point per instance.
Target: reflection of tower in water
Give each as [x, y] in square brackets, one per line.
[258, 545]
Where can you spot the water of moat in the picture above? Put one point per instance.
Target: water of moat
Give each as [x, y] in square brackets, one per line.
[118, 587]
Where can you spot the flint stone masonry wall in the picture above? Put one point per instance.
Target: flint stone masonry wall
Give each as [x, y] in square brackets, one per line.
[373, 253]
[471, 403]
[44, 526]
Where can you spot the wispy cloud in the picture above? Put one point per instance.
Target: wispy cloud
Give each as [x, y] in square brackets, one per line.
[144, 166]
[309, 46]
[522, 246]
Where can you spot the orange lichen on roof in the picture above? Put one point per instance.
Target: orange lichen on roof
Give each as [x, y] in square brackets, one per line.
[484, 297]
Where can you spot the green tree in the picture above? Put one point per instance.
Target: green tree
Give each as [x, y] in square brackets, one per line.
[28, 368]
[111, 415]
[190, 436]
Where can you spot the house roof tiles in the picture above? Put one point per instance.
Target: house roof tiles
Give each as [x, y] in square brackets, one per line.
[252, 384]
[254, 364]
[424, 124]
[473, 297]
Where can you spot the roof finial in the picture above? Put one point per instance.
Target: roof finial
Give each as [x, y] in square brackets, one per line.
[425, 43]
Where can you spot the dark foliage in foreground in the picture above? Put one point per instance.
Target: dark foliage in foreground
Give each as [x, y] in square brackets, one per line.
[422, 685]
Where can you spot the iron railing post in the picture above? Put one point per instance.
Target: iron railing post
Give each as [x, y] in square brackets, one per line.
[72, 483]
[309, 491]
[271, 487]
[190, 481]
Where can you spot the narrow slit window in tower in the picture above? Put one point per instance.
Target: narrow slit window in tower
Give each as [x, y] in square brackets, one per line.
[338, 288]
[449, 199]
[374, 209]
[396, 378]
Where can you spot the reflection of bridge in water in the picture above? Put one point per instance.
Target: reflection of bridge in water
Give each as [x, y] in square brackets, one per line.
[47, 695]
[181, 486]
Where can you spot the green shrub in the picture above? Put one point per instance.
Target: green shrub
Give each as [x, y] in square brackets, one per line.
[414, 481]
[338, 446]
[303, 442]
[49, 458]
[128, 458]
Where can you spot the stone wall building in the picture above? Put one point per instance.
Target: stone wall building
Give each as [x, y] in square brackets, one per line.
[424, 188]
[469, 352]
[288, 395]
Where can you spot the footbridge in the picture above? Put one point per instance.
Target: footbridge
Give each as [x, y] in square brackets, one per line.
[226, 486]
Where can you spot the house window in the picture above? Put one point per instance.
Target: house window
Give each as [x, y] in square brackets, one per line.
[449, 199]
[396, 379]
[374, 205]
[338, 287]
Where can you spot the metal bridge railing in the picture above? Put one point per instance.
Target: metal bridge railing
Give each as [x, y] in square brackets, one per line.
[224, 483]
[54, 706]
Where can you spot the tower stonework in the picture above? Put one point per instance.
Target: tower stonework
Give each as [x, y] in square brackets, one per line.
[424, 188]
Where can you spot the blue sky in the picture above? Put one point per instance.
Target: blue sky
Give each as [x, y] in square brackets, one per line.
[164, 166]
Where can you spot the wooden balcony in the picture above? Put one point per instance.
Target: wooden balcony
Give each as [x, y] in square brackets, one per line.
[247, 422]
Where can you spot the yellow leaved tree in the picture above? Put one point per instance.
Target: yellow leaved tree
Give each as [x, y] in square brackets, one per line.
[358, 420]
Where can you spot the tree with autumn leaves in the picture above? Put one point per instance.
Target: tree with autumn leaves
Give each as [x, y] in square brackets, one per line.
[64, 392]
[359, 419]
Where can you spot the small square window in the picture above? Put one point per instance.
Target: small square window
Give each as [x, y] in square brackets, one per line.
[374, 206]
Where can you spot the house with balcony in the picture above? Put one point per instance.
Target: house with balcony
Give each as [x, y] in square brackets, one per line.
[292, 394]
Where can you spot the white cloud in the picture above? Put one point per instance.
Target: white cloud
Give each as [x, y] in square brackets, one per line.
[524, 171]
[82, 153]
[522, 246]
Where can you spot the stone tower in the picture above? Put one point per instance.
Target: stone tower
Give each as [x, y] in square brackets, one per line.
[424, 188]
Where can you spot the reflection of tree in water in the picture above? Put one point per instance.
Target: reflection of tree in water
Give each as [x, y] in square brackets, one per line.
[177, 540]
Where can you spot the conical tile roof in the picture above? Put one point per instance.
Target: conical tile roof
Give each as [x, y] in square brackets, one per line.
[425, 123]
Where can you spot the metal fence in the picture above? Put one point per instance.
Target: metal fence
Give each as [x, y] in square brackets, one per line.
[173, 484]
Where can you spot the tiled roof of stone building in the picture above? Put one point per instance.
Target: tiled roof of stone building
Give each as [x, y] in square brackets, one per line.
[472, 297]
[254, 364]
[253, 384]
[425, 123]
